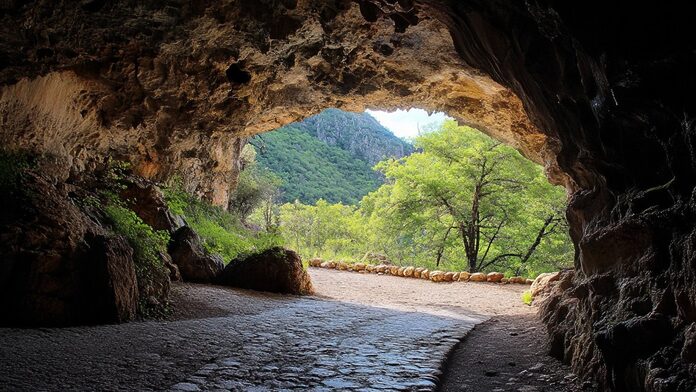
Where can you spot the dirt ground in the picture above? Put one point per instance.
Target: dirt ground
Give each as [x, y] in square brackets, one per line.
[505, 352]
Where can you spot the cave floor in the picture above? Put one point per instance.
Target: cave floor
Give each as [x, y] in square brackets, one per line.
[360, 332]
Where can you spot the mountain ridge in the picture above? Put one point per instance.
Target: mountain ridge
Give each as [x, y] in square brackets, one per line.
[329, 156]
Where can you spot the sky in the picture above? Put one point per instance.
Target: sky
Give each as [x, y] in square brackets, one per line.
[404, 123]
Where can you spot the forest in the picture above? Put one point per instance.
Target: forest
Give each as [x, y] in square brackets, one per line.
[462, 201]
[328, 156]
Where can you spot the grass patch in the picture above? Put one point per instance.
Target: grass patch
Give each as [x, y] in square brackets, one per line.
[527, 298]
[148, 245]
[222, 232]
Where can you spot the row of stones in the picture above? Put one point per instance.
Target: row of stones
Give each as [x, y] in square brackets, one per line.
[419, 272]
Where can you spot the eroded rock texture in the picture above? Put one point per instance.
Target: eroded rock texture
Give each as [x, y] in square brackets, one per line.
[175, 87]
[59, 265]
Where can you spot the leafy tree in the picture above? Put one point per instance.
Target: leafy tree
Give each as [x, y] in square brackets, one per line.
[256, 187]
[466, 185]
[464, 201]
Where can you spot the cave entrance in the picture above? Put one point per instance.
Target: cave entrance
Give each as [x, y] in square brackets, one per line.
[400, 193]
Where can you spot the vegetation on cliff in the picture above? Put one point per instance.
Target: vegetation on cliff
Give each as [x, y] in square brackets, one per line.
[328, 156]
[222, 232]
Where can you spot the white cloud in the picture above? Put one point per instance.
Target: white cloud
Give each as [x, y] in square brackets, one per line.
[407, 123]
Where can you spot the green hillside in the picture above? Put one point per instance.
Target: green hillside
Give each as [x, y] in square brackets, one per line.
[328, 156]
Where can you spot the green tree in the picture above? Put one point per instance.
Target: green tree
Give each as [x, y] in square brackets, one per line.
[468, 186]
[256, 187]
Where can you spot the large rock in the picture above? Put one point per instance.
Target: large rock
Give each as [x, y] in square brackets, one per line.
[494, 277]
[58, 266]
[478, 277]
[194, 262]
[276, 270]
[147, 201]
[542, 284]
[315, 262]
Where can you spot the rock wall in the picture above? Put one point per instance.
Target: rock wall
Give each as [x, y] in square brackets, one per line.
[612, 82]
[176, 86]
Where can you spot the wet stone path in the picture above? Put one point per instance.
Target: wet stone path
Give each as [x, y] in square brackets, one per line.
[247, 342]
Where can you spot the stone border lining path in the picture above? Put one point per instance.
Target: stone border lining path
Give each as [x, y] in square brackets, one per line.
[436, 276]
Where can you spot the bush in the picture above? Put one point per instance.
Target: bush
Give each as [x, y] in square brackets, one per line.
[222, 232]
[148, 246]
[12, 165]
[527, 297]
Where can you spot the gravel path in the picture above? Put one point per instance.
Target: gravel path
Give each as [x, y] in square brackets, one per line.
[361, 332]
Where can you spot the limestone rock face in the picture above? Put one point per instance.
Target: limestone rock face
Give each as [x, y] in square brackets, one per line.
[276, 270]
[195, 264]
[195, 80]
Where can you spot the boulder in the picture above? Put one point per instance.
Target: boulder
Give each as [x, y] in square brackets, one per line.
[370, 268]
[542, 285]
[394, 270]
[437, 276]
[505, 281]
[464, 276]
[58, 265]
[343, 266]
[455, 276]
[316, 262]
[478, 277]
[147, 201]
[425, 274]
[276, 270]
[174, 273]
[417, 272]
[408, 271]
[194, 262]
[331, 264]
[448, 276]
[359, 267]
[380, 269]
[517, 280]
[494, 277]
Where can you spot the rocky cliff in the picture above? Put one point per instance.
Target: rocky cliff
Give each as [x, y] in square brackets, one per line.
[358, 133]
[601, 93]
[329, 156]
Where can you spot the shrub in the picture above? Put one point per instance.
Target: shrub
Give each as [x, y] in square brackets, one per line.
[222, 232]
[12, 165]
[527, 297]
[148, 245]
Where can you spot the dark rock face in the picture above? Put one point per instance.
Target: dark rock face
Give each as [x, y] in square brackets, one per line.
[613, 83]
[58, 266]
[276, 270]
[192, 260]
